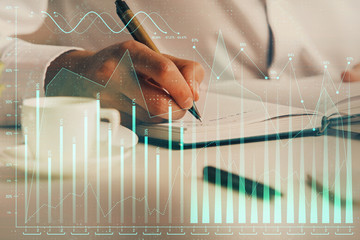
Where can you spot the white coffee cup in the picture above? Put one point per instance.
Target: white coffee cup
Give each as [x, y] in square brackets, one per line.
[54, 126]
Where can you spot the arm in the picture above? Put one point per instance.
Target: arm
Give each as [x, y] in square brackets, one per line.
[25, 64]
[112, 67]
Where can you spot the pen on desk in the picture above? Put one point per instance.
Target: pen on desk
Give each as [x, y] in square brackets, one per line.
[319, 188]
[250, 186]
[139, 34]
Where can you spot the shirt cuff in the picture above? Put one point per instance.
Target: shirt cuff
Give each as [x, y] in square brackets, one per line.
[31, 62]
[25, 66]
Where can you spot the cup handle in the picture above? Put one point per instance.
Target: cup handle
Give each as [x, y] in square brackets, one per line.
[113, 116]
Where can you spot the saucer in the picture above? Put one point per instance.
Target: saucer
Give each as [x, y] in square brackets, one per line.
[122, 136]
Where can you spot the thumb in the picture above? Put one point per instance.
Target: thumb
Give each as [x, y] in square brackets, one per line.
[353, 75]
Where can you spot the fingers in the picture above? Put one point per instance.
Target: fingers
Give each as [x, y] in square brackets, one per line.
[154, 72]
[153, 103]
[193, 73]
[353, 75]
[161, 70]
[155, 100]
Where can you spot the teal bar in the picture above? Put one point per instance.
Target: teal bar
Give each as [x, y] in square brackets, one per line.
[61, 195]
[182, 173]
[337, 193]
[49, 188]
[26, 176]
[266, 200]
[193, 197]
[122, 183]
[74, 182]
[146, 178]
[229, 196]
[254, 213]
[205, 204]
[325, 190]
[37, 155]
[134, 164]
[242, 202]
[302, 205]
[170, 165]
[277, 200]
[290, 183]
[218, 204]
[98, 159]
[218, 212]
[349, 195]
[157, 187]
[109, 175]
[85, 168]
[277, 197]
[314, 210]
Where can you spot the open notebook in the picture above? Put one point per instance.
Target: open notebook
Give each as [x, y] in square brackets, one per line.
[229, 119]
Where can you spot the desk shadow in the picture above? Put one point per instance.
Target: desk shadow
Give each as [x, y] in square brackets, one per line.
[8, 175]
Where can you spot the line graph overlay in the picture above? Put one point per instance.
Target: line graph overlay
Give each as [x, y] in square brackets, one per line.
[99, 16]
[170, 193]
[68, 83]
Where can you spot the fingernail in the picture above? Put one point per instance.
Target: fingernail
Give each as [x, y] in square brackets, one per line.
[196, 88]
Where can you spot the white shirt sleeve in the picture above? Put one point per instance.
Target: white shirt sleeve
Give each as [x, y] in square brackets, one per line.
[25, 64]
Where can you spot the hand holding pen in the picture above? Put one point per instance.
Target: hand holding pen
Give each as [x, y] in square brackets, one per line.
[130, 72]
[140, 35]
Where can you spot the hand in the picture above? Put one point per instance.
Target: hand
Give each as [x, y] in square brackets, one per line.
[353, 75]
[154, 72]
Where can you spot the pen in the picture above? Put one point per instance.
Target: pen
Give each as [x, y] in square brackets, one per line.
[319, 188]
[251, 187]
[139, 34]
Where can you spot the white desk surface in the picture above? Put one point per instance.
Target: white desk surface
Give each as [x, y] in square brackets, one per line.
[254, 153]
